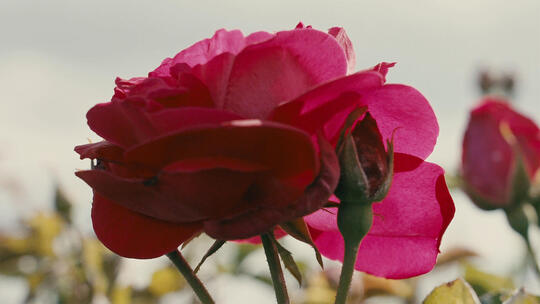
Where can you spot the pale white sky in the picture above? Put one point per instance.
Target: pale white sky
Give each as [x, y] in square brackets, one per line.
[60, 57]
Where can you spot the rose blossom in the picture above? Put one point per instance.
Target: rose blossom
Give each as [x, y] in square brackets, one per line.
[208, 143]
[489, 160]
[235, 135]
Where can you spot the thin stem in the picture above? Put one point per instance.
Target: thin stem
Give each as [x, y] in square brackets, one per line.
[196, 284]
[533, 257]
[274, 265]
[347, 269]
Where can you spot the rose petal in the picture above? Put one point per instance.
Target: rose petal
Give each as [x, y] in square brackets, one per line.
[278, 203]
[278, 234]
[263, 75]
[133, 235]
[175, 119]
[122, 123]
[201, 52]
[328, 104]
[346, 44]
[407, 228]
[126, 124]
[404, 110]
[103, 150]
[287, 151]
[178, 196]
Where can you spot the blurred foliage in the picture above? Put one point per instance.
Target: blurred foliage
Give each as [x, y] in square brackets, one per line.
[60, 265]
[460, 292]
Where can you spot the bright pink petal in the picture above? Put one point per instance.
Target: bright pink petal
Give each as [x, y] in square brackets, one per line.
[383, 68]
[123, 86]
[346, 44]
[132, 235]
[327, 105]
[404, 110]
[407, 228]
[203, 51]
[264, 75]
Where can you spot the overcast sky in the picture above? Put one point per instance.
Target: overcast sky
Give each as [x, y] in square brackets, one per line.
[60, 57]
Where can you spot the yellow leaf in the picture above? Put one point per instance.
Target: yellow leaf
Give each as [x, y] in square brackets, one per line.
[319, 291]
[165, 280]
[121, 295]
[93, 262]
[45, 228]
[455, 292]
[487, 282]
[376, 285]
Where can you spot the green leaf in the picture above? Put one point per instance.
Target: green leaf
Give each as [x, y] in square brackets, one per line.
[288, 261]
[299, 230]
[455, 292]
[521, 182]
[483, 282]
[521, 297]
[215, 247]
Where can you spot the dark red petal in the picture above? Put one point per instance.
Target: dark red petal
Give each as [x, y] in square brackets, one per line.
[285, 150]
[103, 150]
[132, 235]
[277, 203]
[122, 123]
[175, 119]
[177, 196]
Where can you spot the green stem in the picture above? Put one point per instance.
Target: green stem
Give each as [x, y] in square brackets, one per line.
[349, 259]
[533, 258]
[196, 284]
[274, 265]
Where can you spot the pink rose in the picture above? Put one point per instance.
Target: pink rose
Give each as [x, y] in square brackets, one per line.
[218, 139]
[235, 135]
[489, 161]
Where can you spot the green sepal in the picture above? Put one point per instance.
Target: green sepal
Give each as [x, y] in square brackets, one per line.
[299, 230]
[213, 249]
[353, 183]
[288, 261]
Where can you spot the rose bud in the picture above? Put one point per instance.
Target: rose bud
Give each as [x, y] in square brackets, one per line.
[501, 154]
